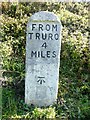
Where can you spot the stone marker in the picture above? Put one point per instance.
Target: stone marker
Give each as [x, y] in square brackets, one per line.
[42, 59]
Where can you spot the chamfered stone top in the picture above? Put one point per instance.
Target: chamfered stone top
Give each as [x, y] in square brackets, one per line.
[44, 16]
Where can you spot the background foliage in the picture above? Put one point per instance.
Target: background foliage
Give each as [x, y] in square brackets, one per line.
[74, 88]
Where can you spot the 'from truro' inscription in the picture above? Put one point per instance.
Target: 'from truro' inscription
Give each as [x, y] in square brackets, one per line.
[42, 58]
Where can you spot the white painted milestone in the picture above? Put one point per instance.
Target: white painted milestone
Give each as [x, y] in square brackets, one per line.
[43, 46]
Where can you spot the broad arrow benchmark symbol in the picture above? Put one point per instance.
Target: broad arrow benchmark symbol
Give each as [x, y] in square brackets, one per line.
[41, 80]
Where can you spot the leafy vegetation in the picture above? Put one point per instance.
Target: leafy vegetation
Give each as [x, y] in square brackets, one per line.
[74, 88]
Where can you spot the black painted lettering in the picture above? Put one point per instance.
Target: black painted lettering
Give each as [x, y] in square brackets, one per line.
[50, 36]
[30, 35]
[38, 36]
[33, 53]
[47, 27]
[54, 27]
[48, 54]
[40, 27]
[44, 36]
[38, 54]
[42, 55]
[33, 26]
[54, 54]
[44, 45]
[56, 36]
